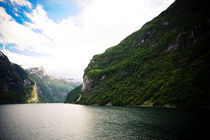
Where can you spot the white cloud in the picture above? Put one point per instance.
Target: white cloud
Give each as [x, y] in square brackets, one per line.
[73, 41]
[21, 3]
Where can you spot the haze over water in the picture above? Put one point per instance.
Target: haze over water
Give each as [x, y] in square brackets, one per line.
[67, 121]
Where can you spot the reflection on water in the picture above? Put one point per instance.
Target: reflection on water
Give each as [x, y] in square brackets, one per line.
[66, 121]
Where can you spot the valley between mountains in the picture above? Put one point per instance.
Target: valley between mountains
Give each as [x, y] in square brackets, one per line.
[164, 63]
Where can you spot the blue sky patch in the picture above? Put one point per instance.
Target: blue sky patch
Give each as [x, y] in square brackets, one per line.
[1, 46]
[58, 9]
[13, 48]
[18, 15]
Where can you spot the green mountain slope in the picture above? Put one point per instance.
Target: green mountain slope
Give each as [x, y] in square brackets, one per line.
[15, 83]
[74, 95]
[49, 88]
[165, 63]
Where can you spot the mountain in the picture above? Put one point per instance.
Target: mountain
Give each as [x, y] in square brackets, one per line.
[15, 83]
[74, 95]
[30, 86]
[165, 63]
[49, 88]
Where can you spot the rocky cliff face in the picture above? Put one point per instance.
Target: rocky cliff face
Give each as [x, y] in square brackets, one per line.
[87, 84]
[15, 84]
[163, 63]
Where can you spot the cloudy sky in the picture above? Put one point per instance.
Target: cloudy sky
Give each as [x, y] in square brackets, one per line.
[63, 35]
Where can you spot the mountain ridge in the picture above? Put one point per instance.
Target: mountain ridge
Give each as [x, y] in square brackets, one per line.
[49, 88]
[165, 63]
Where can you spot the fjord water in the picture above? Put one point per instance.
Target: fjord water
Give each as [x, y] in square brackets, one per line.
[67, 121]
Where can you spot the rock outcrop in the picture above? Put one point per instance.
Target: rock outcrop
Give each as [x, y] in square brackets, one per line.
[87, 84]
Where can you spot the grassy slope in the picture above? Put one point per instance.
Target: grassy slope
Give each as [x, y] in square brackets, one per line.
[141, 68]
[33, 97]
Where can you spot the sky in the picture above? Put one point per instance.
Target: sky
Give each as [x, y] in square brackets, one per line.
[63, 35]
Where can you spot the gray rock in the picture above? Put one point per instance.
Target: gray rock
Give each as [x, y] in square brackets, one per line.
[87, 84]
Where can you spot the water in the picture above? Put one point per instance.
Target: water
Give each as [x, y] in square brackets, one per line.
[66, 121]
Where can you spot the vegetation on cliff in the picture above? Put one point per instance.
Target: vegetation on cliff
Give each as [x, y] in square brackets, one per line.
[49, 88]
[15, 83]
[33, 97]
[74, 95]
[166, 62]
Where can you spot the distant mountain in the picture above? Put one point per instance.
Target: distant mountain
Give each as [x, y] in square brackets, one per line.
[49, 88]
[15, 83]
[30, 86]
[165, 63]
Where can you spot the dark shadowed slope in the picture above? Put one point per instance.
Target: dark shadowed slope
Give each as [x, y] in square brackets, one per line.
[15, 83]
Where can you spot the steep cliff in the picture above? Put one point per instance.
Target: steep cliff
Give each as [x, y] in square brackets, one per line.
[165, 63]
[15, 84]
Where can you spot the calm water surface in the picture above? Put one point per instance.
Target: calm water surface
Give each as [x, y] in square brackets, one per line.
[66, 121]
